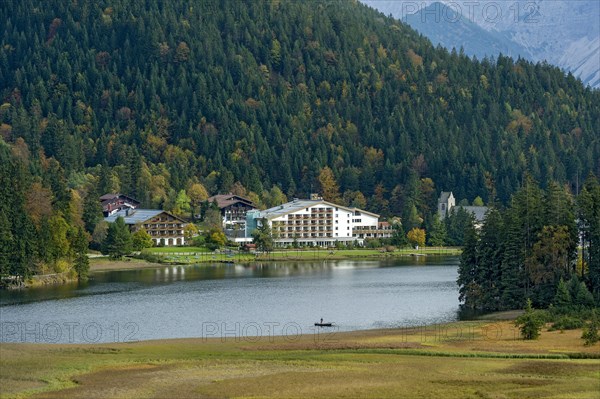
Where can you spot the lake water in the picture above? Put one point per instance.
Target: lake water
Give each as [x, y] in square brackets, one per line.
[275, 298]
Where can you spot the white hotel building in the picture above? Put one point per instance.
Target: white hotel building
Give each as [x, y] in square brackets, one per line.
[317, 222]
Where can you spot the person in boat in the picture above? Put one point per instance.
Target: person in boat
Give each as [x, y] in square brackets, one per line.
[321, 320]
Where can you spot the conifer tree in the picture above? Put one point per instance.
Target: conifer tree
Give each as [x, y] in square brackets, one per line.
[490, 261]
[590, 331]
[589, 218]
[92, 210]
[118, 239]
[468, 285]
[530, 323]
[437, 234]
[263, 238]
[512, 280]
[562, 299]
[80, 248]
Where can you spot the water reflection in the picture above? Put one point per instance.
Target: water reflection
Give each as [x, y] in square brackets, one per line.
[181, 301]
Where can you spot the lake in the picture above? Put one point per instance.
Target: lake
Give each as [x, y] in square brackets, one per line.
[234, 301]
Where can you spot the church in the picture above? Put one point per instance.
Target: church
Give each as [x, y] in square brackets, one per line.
[447, 201]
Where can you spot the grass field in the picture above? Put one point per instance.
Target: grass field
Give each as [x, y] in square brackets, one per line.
[199, 255]
[167, 250]
[459, 360]
[106, 263]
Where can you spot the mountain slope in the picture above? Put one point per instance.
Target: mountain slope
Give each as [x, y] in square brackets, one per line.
[443, 25]
[582, 58]
[146, 98]
[560, 32]
[563, 33]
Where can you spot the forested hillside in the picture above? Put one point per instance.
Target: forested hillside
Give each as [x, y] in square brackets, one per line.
[268, 98]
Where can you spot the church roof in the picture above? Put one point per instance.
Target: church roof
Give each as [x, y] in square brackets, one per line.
[477, 211]
[444, 196]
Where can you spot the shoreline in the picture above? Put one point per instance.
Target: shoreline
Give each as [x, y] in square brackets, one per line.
[495, 328]
[183, 258]
[394, 359]
[105, 264]
[453, 330]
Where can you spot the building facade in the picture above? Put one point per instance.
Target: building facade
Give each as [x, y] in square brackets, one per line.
[164, 228]
[445, 203]
[233, 209]
[317, 222]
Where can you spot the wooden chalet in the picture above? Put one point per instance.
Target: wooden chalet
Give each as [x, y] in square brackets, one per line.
[164, 228]
[233, 208]
[113, 203]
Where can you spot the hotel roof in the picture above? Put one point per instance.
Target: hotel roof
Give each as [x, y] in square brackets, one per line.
[134, 216]
[299, 204]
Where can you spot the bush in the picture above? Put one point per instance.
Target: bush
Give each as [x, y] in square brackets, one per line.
[198, 241]
[567, 323]
[590, 332]
[150, 257]
[372, 243]
[531, 322]
[61, 266]
[141, 239]
[211, 246]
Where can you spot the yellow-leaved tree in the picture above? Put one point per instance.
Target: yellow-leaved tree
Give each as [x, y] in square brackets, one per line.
[416, 237]
[329, 186]
[197, 194]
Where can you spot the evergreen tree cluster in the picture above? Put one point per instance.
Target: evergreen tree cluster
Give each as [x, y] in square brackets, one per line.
[41, 218]
[530, 248]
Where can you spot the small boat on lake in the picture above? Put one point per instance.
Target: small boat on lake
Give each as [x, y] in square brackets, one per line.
[322, 324]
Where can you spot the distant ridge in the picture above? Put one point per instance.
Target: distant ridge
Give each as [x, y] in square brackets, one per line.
[441, 24]
[560, 32]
